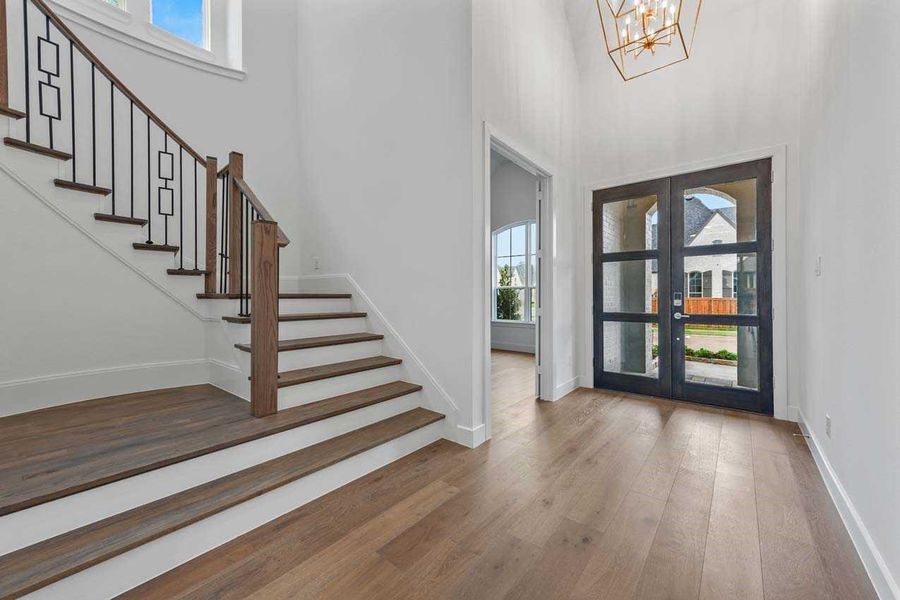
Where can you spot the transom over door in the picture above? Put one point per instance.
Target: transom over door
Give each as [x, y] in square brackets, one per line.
[683, 287]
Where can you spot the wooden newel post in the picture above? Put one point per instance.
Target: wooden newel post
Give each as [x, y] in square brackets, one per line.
[235, 171]
[4, 58]
[212, 215]
[264, 319]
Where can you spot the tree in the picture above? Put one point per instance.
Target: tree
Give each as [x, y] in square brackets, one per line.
[509, 304]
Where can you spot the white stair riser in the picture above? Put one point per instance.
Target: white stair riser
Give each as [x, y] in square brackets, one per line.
[38, 523]
[231, 307]
[119, 574]
[305, 393]
[292, 330]
[311, 357]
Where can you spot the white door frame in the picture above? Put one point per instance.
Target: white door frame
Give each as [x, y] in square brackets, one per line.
[544, 327]
[778, 154]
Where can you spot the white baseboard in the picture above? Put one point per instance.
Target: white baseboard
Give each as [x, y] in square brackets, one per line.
[882, 579]
[25, 395]
[564, 388]
[525, 348]
[471, 437]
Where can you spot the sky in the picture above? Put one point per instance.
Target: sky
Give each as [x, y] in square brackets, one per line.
[183, 18]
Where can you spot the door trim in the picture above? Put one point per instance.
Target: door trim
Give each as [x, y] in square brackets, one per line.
[779, 155]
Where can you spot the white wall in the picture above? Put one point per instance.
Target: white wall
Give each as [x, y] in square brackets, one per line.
[846, 351]
[526, 89]
[513, 194]
[384, 179]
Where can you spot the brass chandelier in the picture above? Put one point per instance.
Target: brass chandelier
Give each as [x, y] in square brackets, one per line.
[643, 36]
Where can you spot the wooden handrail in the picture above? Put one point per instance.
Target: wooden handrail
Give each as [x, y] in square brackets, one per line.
[70, 35]
[264, 214]
[264, 319]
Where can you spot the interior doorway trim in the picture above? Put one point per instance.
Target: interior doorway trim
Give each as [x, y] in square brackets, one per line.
[778, 154]
[509, 148]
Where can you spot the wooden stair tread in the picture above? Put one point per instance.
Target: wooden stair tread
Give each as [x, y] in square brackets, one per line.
[119, 219]
[11, 112]
[36, 148]
[308, 374]
[304, 317]
[41, 564]
[82, 187]
[155, 247]
[187, 272]
[283, 296]
[319, 342]
[65, 450]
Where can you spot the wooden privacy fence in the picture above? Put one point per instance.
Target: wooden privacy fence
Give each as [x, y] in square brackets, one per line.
[706, 306]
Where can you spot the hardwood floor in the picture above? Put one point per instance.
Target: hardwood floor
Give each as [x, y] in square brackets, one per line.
[599, 495]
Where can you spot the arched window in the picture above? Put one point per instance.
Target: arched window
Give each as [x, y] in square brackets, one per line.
[515, 272]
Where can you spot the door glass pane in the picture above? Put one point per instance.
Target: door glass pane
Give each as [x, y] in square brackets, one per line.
[720, 284]
[630, 348]
[630, 286]
[724, 355]
[630, 225]
[724, 213]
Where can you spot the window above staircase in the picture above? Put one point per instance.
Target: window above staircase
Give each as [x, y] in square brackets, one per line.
[209, 40]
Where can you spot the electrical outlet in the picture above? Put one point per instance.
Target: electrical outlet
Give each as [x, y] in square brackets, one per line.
[315, 263]
[828, 425]
[818, 266]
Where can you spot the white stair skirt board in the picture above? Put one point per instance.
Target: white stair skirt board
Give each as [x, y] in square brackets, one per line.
[305, 393]
[128, 570]
[292, 330]
[311, 357]
[32, 525]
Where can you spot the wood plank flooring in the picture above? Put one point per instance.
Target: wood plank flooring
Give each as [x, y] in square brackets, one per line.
[600, 495]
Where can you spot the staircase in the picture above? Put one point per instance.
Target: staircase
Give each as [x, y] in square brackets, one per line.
[99, 496]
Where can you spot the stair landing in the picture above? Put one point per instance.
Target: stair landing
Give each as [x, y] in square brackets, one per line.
[55, 452]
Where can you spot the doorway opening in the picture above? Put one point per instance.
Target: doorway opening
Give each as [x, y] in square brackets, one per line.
[683, 287]
[516, 201]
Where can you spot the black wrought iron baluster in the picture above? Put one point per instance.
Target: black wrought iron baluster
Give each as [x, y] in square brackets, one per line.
[166, 176]
[112, 141]
[27, 71]
[196, 216]
[226, 191]
[72, 105]
[243, 309]
[94, 121]
[180, 208]
[44, 68]
[131, 146]
[149, 186]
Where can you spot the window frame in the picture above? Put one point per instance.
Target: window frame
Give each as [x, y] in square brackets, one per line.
[690, 276]
[531, 246]
[132, 24]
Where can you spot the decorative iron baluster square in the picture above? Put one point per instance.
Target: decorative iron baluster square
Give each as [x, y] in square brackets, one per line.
[48, 57]
[166, 201]
[166, 166]
[50, 101]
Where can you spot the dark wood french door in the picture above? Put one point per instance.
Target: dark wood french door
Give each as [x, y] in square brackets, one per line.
[683, 287]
